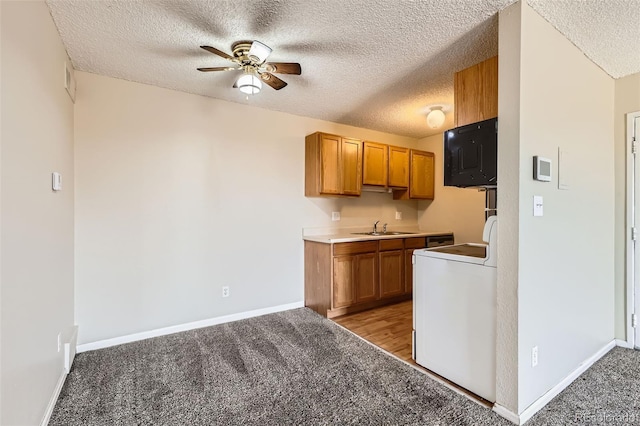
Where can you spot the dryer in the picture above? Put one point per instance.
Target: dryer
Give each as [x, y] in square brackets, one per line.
[454, 312]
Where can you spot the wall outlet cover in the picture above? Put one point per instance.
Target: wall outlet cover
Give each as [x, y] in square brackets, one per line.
[538, 205]
[398, 215]
[335, 216]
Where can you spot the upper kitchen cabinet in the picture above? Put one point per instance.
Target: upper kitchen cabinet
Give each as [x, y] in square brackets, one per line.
[385, 165]
[333, 165]
[421, 177]
[476, 93]
[398, 167]
[375, 160]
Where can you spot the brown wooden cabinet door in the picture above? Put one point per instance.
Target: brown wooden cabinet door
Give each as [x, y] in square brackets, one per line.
[343, 281]
[366, 281]
[476, 93]
[330, 164]
[351, 166]
[391, 273]
[421, 184]
[398, 167]
[374, 170]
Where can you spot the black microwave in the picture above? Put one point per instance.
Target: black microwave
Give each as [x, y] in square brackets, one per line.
[471, 155]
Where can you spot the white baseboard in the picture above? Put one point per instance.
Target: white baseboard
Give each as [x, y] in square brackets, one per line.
[70, 349]
[623, 344]
[507, 414]
[100, 344]
[54, 398]
[554, 391]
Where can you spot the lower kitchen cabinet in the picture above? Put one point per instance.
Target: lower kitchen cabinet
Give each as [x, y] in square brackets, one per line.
[410, 245]
[391, 258]
[366, 277]
[344, 293]
[354, 279]
[349, 277]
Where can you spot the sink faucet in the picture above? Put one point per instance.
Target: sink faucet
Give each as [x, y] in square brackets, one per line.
[375, 226]
[384, 228]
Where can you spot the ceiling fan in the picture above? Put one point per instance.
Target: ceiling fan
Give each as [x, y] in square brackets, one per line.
[250, 58]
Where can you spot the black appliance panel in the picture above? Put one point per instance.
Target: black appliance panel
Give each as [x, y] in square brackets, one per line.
[471, 154]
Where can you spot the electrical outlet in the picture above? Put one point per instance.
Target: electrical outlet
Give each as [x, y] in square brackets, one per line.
[534, 356]
[59, 342]
[335, 216]
[398, 215]
[225, 291]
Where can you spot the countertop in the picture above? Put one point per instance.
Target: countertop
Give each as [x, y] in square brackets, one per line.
[347, 236]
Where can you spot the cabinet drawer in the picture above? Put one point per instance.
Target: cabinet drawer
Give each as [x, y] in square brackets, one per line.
[415, 243]
[396, 244]
[355, 248]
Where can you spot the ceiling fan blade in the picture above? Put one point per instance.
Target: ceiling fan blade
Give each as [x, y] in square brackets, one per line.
[217, 52]
[284, 67]
[272, 80]
[219, 69]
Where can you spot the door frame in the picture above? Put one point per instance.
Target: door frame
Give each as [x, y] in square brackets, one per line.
[630, 279]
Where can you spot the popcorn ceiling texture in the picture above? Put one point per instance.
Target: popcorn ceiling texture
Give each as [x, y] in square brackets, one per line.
[608, 32]
[375, 64]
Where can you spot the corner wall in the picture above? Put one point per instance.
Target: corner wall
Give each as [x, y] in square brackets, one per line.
[36, 226]
[178, 195]
[508, 203]
[627, 99]
[565, 259]
[460, 210]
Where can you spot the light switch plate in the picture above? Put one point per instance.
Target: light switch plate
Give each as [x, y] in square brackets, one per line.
[398, 215]
[56, 181]
[538, 205]
[335, 216]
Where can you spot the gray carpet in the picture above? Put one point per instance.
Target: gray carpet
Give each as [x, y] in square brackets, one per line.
[293, 367]
[606, 394]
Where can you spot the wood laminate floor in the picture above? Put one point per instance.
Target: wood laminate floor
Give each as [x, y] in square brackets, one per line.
[390, 327]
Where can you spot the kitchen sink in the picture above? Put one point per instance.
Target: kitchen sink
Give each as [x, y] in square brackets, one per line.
[378, 234]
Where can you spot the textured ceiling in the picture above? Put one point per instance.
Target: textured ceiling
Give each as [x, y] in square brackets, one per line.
[376, 64]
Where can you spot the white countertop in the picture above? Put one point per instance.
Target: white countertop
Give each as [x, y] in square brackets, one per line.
[347, 236]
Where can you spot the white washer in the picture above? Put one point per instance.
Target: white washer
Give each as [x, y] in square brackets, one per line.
[454, 312]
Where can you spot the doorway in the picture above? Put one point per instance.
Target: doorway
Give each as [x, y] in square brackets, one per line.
[633, 221]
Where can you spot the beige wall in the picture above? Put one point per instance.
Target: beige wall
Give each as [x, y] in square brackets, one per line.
[565, 259]
[37, 224]
[509, 66]
[627, 99]
[178, 195]
[460, 210]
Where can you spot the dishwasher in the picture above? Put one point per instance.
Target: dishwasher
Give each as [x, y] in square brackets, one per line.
[439, 240]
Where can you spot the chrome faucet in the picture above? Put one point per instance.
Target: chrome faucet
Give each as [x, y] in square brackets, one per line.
[375, 227]
[384, 229]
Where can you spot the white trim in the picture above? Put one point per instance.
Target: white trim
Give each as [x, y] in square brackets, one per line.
[54, 398]
[506, 413]
[70, 349]
[624, 344]
[100, 344]
[539, 403]
[629, 222]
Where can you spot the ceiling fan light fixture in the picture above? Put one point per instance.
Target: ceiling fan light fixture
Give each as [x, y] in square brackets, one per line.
[259, 52]
[249, 84]
[435, 118]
